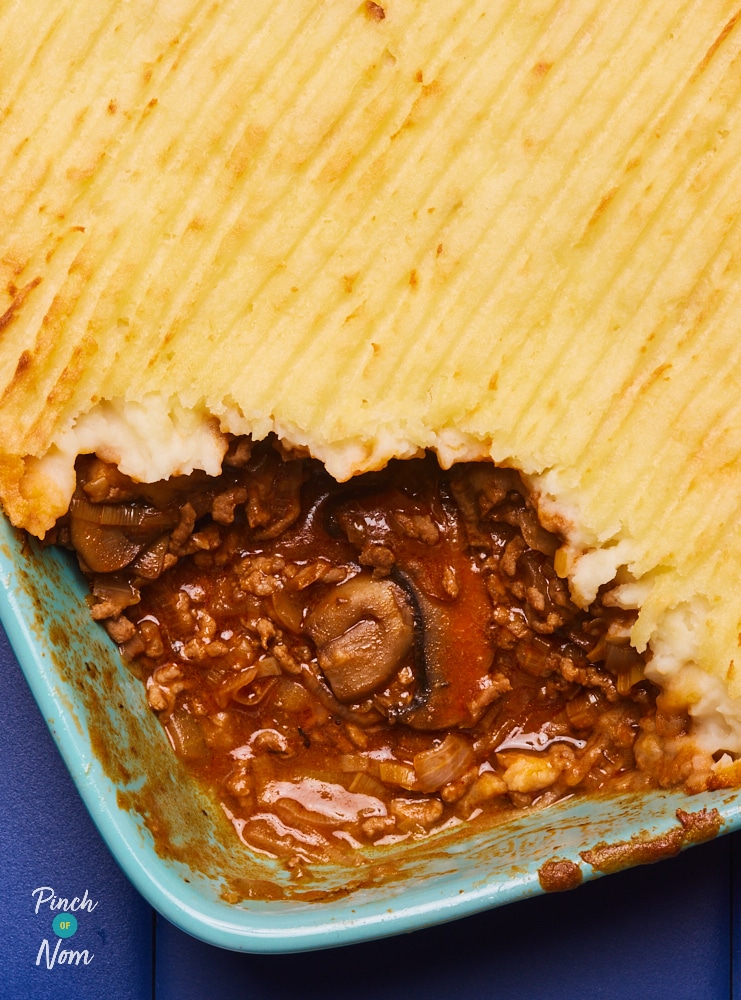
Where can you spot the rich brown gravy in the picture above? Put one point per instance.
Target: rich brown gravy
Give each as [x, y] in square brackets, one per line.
[351, 664]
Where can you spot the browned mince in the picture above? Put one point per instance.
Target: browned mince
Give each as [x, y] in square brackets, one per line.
[350, 664]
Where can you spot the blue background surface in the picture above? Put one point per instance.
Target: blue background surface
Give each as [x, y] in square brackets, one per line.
[664, 931]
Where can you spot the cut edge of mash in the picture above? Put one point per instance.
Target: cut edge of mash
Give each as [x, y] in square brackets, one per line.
[158, 437]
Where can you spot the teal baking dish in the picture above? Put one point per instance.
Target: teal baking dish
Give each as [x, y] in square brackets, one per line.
[180, 851]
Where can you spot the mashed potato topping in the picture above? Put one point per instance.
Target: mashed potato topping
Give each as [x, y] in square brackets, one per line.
[379, 228]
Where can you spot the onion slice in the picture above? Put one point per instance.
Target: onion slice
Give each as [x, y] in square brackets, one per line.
[443, 764]
[119, 515]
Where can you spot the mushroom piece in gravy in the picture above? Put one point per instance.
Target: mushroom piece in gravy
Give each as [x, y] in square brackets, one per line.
[362, 630]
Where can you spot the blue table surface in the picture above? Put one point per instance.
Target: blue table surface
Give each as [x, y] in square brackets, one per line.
[663, 931]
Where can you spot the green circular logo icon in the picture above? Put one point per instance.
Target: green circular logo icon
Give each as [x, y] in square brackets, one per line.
[64, 925]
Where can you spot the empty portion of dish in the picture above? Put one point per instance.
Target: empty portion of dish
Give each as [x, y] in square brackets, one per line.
[355, 664]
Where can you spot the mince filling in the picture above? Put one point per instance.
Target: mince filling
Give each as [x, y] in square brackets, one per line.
[350, 664]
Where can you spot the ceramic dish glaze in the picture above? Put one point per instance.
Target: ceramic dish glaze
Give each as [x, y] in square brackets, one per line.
[179, 850]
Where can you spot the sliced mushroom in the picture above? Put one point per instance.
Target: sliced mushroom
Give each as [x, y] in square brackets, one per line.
[108, 537]
[453, 653]
[452, 609]
[363, 630]
[102, 548]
